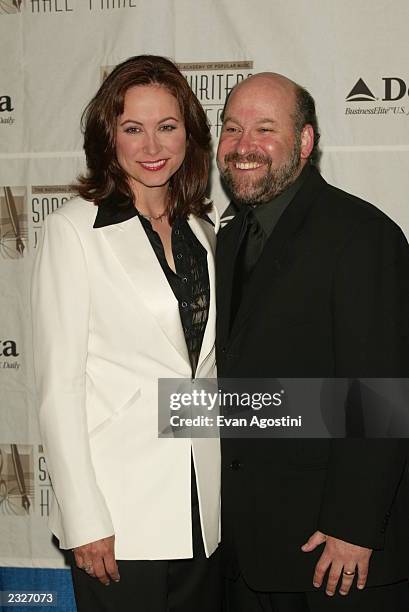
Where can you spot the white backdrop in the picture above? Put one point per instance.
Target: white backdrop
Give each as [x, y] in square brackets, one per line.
[53, 56]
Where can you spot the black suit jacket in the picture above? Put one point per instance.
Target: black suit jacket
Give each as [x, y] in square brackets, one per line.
[329, 297]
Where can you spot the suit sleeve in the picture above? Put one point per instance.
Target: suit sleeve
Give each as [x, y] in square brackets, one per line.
[60, 313]
[370, 325]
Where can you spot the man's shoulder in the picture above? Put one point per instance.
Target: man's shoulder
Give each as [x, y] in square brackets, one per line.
[328, 207]
[353, 205]
[348, 210]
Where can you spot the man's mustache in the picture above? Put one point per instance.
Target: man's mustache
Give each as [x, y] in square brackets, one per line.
[251, 158]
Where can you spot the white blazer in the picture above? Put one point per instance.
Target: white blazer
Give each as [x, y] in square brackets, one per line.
[106, 326]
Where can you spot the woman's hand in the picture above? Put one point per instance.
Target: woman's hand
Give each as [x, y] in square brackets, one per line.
[98, 559]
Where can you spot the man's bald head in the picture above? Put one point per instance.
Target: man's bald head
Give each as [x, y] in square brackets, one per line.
[296, 98]
[266, 80]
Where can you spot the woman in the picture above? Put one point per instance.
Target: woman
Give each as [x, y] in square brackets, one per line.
[123, 294]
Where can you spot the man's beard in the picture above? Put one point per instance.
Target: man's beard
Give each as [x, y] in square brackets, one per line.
[268, 186]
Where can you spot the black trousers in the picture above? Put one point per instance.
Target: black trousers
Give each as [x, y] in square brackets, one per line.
[390, 598]
[182, 585]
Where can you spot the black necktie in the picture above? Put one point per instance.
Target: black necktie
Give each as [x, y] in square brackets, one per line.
[251, 245]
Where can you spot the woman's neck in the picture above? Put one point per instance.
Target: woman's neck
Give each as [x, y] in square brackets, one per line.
[151, 201]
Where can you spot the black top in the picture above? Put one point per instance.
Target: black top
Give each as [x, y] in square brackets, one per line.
[190, 283]
[269, 213]
[256, 224]
[329, 298]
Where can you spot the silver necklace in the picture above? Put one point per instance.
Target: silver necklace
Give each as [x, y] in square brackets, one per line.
[153, 217]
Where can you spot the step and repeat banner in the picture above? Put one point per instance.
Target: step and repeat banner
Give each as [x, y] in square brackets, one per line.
[351, 55]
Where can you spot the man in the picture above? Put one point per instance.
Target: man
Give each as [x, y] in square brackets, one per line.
[312, 282]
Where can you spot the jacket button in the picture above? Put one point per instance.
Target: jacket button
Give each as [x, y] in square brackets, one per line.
[235, 464]
[223, 349]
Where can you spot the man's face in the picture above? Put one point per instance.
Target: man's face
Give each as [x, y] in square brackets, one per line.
[259, 153]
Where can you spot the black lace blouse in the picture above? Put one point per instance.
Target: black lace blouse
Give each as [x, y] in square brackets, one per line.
[190, 284]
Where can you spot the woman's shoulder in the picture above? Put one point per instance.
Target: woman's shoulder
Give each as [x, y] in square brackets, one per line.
[78, 211]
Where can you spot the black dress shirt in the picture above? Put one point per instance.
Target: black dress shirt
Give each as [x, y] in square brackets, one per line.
[190, 283]
[257, 224]
[269, 213]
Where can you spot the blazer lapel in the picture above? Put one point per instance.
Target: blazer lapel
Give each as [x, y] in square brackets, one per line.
[134, 252]
[205, 233]
[273, 258]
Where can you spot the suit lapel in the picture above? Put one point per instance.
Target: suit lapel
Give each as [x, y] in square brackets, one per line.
[228, 245]
[134, 252]
[273, 260]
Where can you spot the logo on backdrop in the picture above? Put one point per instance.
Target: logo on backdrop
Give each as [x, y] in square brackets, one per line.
[44, 484]
[360, 92]
[44, 200]
[13, 222]
[108, 5]
[6, 109]
[385, 97]
[9, 355]
[211, 82]
[6, 105]
[16, 479]
[10, 7]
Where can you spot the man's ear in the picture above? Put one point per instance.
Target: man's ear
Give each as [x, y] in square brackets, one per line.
[307, 141]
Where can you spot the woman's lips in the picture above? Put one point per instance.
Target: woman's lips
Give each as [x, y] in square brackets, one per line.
[153, 166]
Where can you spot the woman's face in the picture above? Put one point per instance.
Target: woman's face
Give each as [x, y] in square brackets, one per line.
[150, 137]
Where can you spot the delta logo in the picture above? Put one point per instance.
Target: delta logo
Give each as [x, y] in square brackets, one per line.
[393, 89]
[360, 93]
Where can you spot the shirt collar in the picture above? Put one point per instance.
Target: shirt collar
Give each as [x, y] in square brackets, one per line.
[268, 213]
[116, 208]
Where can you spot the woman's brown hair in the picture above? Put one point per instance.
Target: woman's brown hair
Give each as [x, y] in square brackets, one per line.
[105, 177]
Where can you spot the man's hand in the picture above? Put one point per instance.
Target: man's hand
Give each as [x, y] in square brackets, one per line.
[98, 559]
[343, 558]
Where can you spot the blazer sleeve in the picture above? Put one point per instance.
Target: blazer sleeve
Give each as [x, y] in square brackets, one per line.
[370, 325]
[60, 313]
